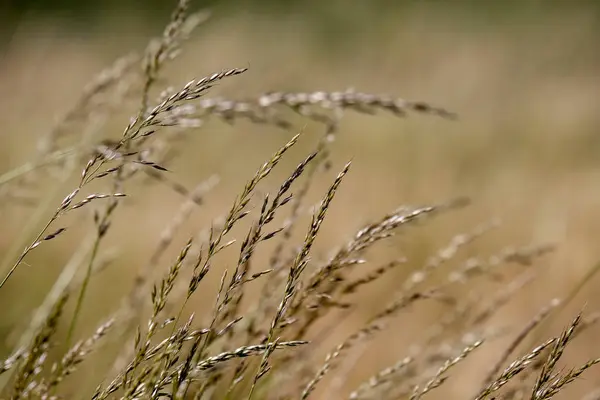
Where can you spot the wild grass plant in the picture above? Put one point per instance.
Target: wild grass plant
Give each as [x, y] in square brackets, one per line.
[264, 332]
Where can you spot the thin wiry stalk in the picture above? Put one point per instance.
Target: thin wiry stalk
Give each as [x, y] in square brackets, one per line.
[446, 254]
[180, 335]
[143, 348]
[503, 296]
[297, 269]
[277, 264]
[263, 108]
[465, 313]
[519, 339]
[438, 379]
[379, 379]
[353, 286]
[101, 230]
[47, 153]
[236, 213]
[474, 267]
[375, 325]
[153, 66]
[326, 280]
[255, 236]
[515, 368]
[521, 389]
[165, 48]
[560, 382]
[105, 80]
[321, 157]
[166, 237]
[244, 351]
[36, 352]
[441, 257]
[260, 110]
[138, 291]
[267, 216]
[568, 298]
[25, 252]
[76, 355]
[159, 299]
[546, 373]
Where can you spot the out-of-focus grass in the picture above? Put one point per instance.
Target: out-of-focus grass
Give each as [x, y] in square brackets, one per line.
[525, 146]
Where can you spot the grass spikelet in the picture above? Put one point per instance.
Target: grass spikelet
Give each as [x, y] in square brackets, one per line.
[76, 355]
[375, 325]
[438, 379]
[35, 355]
[520, 337]
[377, 380]
[11, 361]
[559, 382]
[298, 267]
[515, 368]
[556, 352]
[263, 109]
[256, 236]
[326, 279]
[242, 352]
[353, 286]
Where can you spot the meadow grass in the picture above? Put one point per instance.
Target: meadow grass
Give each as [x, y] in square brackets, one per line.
[262, 335]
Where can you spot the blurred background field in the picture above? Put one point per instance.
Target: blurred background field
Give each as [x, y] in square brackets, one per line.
[523, 77]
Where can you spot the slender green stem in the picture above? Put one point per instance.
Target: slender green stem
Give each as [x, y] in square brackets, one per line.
[175, 387]
[84, 285]
[26, 251]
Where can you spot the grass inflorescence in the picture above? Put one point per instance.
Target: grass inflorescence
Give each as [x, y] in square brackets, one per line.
[265, 334]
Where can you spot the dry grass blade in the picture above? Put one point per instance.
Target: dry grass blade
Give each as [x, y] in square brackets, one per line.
[242, 352]
[254, 237]
[353, 286]
[143, 121]
[559, 382]
[379, 379]
[546, 373]
[35, 354]
[68, 364]
[327, 278]
[515, 368]
[195, 198]
[298, 267]
[88, 109]
[375, 325]
[159, 300]
[519, 339]
[521, 389]
[446, 254]
[263, 109]
[438, 378]
[236, 213]
[47, 152]
[502, 297]
[160, 51]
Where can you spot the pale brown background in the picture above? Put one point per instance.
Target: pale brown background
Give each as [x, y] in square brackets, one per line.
[525, 83]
